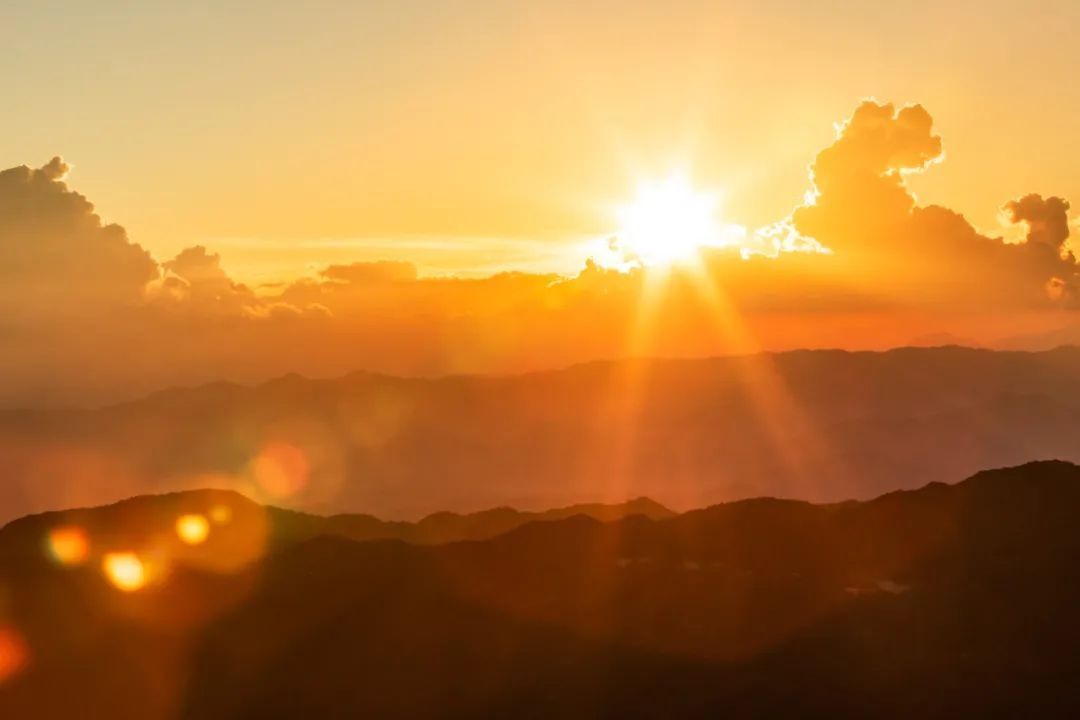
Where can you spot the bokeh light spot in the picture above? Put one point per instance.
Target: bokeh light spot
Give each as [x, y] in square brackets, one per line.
[14, 653]
[221, 514]
[193, 528]
[124, 570]
[281, 470]
[68, 545]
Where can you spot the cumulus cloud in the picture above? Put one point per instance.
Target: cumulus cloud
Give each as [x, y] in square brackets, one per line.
[56, 169]
[55, 253]
[198, 266]
[858, 182]
[862, 209]
[195, 283]
[1047, 220]
[200, 279]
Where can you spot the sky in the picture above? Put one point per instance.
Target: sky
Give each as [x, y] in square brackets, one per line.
[233, 191]
[476, 135]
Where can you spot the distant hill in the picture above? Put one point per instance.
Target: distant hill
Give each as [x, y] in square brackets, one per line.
[1066, 335]
[130, 522]
[815, 425]
[950, 600]
[446, 527]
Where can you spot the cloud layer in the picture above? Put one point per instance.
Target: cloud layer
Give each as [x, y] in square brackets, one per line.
[89, 315]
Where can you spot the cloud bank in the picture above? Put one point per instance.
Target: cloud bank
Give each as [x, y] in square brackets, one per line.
[863, 210]
[88, 315]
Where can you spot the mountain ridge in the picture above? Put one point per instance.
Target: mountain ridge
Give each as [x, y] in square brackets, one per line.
[436, 528]
[283, 380]
[745, 608]
[818, 425]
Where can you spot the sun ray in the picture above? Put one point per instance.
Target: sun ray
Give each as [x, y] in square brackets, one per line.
[663, 232]
[795, 438]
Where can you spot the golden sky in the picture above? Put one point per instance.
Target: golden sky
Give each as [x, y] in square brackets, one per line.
[470, 135]
[199, 192]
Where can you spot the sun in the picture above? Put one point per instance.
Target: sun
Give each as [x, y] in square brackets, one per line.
[668, 221]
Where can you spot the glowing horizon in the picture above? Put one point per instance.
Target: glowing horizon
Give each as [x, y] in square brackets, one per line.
[611, 172]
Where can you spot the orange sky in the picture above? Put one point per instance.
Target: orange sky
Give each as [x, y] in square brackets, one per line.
[262, 189]
[472, 135]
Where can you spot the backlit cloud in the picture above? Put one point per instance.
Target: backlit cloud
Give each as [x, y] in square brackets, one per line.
[90, 315]
[862, 209]
[56, 256]
[1047, 220]
[200, 280]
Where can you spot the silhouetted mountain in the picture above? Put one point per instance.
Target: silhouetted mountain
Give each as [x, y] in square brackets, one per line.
[445, 527]
[940, 602]
[816, 425]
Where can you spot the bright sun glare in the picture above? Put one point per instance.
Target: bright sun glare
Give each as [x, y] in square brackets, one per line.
[668, 221]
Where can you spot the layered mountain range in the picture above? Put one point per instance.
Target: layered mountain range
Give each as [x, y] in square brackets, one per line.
[813, 425]
[937, 602]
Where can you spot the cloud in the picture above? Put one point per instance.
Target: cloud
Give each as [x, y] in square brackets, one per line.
[56, 169]
[88, 315]
[858, 181]
[371, 272]
[862, 210]
[199, 282]
[1047, 220]
[285, 311]
[195, 284]
[56, 256]
[198, 266]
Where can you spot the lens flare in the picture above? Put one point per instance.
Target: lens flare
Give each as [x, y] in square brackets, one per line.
[14, 653]
[221, 514]
[281, 470]
[125, 571]
[68, 545]
[193, 528]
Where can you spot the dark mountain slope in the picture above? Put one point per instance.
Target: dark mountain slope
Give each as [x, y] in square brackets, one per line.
[938, 602]
[129, 522]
